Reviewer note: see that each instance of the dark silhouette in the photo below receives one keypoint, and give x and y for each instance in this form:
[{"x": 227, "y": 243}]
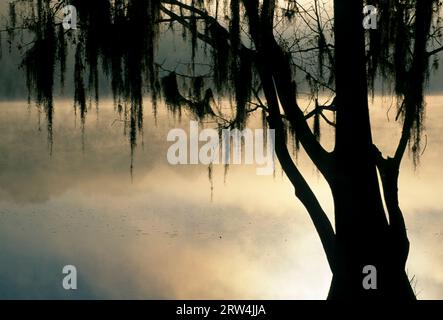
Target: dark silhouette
[{"x": 260, "y": 66}]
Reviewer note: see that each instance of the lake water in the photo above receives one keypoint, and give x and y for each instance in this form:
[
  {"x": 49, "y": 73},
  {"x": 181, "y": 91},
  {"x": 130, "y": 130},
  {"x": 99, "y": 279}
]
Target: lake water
[{"x": 159, "y": 234}]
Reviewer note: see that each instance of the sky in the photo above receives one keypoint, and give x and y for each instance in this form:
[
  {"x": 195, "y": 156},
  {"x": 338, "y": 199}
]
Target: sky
[{"x": 171, "y": 50}]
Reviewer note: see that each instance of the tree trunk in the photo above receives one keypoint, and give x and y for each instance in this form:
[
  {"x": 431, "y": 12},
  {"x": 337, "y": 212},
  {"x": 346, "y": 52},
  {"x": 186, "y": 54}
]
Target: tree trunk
[
  {"x": 378, "y": 248},
  {"x": 363, "y": 234}
]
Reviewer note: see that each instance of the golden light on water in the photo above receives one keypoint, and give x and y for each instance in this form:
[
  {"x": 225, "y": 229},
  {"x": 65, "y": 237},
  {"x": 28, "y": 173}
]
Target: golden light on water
[{"x": 161, "y": 236}]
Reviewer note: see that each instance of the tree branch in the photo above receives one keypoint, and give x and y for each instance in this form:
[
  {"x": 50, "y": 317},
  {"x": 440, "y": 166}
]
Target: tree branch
[
  {"x": 435, "y": 51},
  {"x": 280, "y": 70},
  {"x": 389, "y": 173},
  {"x": 302, "y": 190}
]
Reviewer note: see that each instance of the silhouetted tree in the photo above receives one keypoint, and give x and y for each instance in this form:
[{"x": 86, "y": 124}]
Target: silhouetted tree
[{"x": 260, "y": 53}]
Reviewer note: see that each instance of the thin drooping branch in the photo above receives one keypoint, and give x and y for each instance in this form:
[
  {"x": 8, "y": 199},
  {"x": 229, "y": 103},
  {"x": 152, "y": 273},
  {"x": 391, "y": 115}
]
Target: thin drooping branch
[
  {"x": 302, "y": 190},
  {"x": 269, "y": 86},
  {"x": 304, "y": 193},
  {"x": 287, "y": 95},
  {"x": 280, "y": 69}
]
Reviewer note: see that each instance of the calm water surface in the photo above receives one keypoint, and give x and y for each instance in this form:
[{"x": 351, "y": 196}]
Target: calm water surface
[{"x": 159, "y": 235}]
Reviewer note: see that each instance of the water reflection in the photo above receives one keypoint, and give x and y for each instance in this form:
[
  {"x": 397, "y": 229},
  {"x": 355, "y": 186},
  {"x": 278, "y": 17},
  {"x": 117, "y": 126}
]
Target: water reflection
[{"x": 161, "y": 236}]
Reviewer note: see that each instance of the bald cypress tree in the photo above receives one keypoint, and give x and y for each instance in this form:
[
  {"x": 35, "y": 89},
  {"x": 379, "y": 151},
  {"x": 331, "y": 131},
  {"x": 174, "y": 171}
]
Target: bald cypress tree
[{"x": 258, "y": 54}]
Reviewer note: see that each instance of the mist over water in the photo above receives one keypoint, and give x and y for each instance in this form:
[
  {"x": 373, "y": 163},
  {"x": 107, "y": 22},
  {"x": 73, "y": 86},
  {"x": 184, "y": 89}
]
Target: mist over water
[{"x": 159, "y": 234}]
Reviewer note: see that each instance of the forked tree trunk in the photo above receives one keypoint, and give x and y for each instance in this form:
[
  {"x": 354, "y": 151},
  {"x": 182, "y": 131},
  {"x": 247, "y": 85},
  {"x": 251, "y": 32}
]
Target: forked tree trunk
[
  {"x": 363, "y": 234},
  {"x": 378, "y": 248}
]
